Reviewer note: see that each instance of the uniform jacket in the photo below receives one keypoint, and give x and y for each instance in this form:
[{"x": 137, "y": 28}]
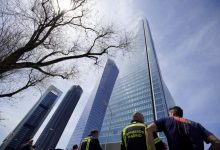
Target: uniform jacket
[
  {"x": 134, "y": 138},
  {"x": 90, "y": 143}
]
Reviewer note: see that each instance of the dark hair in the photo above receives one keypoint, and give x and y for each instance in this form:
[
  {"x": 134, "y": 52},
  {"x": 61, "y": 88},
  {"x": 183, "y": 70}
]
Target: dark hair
[
  {"x": 177, "y": 111},
  {"x": 94, "y": 131},
  {"x": 75, "y": 146}
]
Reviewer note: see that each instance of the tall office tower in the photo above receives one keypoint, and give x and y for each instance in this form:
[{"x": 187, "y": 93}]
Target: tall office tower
[
  {"x": 94, "y": 111},
  {"x": 32, "y": 121},
  {"x": 139, "y": 87},
  {"x": 55, "y": 127}
]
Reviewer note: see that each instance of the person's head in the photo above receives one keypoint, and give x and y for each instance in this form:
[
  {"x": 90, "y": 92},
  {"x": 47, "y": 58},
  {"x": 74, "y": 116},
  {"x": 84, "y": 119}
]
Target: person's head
[
  {"x": 136, "y": 116},
  {"x": 30, "y": 142},
  {"x": 176, "y": 111},
  {"x": 75, "y": 147},
  {"x": 94, "y": 133}
]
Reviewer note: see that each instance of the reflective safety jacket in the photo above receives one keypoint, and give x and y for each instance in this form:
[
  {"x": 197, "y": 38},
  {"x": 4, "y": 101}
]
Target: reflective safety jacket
[
  {"x": 90, "y": 143},
  {"x": 134, "y": 136}
]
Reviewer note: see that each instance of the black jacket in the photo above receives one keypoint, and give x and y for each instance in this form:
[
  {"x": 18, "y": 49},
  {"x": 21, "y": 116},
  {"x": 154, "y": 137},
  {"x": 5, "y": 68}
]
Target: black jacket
[{"x": 90, "y": 142}]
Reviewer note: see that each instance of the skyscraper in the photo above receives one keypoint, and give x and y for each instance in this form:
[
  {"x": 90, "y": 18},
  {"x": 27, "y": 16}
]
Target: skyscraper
[
  {"x": 139, "y": 87},
  {"x": 54, "y": 129},
  {"x": 94, "y": 111},
  {"x": 32, "y": 121}
]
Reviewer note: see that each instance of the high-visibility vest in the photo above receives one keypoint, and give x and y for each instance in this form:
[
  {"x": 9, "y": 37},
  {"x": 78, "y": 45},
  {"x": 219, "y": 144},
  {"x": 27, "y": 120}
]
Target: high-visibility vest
[
  {"x": 138, "y": 131},
  {"x": 85, "y": 142},
  {"x": 135, "y": 131}
]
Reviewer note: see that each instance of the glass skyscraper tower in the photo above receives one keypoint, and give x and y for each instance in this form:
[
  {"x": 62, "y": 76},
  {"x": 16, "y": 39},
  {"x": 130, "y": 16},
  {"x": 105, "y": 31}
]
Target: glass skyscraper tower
[
  {"x": 55, "y": 127},
  {"x": 94, "y": 111},
  {"x": 27, "y": 128},
  {"x": 139, "y": 87}
]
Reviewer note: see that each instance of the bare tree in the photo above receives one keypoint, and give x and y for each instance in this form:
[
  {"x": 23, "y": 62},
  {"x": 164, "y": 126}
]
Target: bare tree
[{"x": 36, "y": 37}]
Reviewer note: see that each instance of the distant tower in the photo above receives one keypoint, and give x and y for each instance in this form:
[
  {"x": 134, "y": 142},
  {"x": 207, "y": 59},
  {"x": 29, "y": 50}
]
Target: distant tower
[
  {"x": 94, "y": 111},
  {"x": 55, "y": 127},
  {"x": 139, "y": 87},
  {"x": 32, "y": 121}
]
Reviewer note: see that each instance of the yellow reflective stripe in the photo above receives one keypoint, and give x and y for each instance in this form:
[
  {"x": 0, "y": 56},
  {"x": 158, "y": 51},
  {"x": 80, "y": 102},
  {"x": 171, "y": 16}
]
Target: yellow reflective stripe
[
  {"x": 135, "y": 124},
  {"x": 87, "y": 144},
  {"x": 85, "y": 139},
  {"x": 147, "y": 139},
  {"x": 124, "y": 131},
  {"x": 132, "y": 125},
  {"x": 156, "y": 140}
]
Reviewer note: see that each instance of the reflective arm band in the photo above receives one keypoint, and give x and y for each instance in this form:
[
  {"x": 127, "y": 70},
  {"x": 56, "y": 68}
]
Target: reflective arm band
[
  {"x": 156, "y": 140},
  {"x": 87, "y": 145}
]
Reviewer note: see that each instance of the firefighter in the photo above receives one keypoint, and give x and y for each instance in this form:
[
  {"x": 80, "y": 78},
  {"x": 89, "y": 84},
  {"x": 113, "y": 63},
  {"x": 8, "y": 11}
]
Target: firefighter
[
  {"x": 91, "y": 142},
  {"x": 135, "y": 137},
  {"x": 183, "y": 134}
]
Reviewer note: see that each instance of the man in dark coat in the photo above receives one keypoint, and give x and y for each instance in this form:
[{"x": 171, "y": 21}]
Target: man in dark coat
[
  {"x": 91, "y": 142},
  {"x": 183, "y": 134}
]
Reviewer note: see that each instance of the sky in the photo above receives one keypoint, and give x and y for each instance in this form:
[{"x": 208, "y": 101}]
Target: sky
[{"x": 186, "y": 37}]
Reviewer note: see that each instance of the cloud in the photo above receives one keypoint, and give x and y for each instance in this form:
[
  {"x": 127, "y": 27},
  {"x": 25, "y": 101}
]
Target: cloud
[
  {"x": 188, "y": 54},
  {"x": 186, "y": 36}
]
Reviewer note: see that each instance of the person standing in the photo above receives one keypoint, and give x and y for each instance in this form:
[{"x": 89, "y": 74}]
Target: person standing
[
  {"x": 183, "y": 134},
  {"x": 135, "y": 137},
  {"x": 75, "y": 147},
  {"x": 27, "y": 145},
  {"x": 91, "y": 142}
]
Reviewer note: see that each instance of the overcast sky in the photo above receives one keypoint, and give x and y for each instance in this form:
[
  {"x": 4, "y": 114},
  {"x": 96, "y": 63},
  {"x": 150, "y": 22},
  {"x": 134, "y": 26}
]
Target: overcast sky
[{"x": 186, "y": 36}]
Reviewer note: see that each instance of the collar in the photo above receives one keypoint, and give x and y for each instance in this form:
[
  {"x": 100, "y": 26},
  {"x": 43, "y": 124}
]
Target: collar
[
  {"x": 180, "y": 119},
  {"x": 134, "y": 121}
]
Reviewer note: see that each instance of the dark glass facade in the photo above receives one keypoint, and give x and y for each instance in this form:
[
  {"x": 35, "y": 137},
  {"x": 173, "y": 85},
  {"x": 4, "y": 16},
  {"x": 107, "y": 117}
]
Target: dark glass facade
[
  {"x": 80, "y": 127},
  {"x": 55, "y": 127},
  {"x": 94, "y": 112},
  {"x": 139, "y": 87},
  {"x": 32, "y": 121}
]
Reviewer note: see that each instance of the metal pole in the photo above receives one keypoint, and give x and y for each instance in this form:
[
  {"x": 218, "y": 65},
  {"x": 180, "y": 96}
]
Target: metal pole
[
  {"x": 108, "y": 127},
  {"x": 149, "y": 75}
]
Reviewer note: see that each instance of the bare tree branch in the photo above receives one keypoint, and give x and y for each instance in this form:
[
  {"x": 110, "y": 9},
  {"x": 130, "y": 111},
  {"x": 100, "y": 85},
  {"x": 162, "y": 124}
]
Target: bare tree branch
[
  {"x": 31, "y": 82},
  {"x": 40, "y": 36}
]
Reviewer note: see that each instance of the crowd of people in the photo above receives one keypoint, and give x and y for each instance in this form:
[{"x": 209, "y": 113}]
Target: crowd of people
[{"x": 181, "y": 134}]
